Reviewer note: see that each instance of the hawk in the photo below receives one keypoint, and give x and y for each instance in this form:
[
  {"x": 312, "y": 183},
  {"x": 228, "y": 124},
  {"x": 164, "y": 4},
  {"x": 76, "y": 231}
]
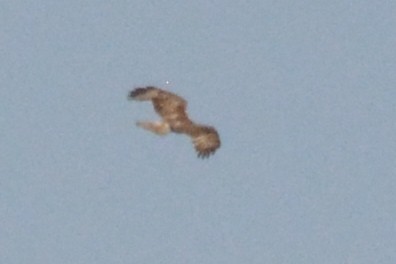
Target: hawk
[{"x": 172, "y": 109}]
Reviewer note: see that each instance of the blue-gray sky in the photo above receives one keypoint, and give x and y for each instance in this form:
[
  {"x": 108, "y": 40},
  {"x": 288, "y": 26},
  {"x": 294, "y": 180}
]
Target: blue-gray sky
[{"x": 302, "y": 93}]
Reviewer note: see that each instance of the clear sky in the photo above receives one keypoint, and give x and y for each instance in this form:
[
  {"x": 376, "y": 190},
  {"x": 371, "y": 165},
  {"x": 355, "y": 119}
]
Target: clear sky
[{"x": 303, "y": 94}]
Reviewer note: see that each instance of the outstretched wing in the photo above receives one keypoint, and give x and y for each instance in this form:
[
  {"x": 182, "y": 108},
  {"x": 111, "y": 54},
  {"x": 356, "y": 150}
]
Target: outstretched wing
[
  {"x": 206, "y": 140},
  {"x": 168, "y": 105}
]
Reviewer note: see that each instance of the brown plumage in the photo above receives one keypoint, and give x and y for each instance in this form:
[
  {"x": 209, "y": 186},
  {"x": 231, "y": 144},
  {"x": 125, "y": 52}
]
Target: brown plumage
[{"x": 172, "y": 109}]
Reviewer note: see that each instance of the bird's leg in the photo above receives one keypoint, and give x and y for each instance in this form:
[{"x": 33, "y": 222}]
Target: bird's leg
[{"x": 159, "y": 127}]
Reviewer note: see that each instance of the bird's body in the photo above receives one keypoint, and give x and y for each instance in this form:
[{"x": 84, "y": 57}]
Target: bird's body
[{"x": 172, "y": 109}]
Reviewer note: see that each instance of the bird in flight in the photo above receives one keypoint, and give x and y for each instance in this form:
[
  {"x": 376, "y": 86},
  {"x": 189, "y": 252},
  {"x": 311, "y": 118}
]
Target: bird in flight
[{"x": 174, "y": 118}]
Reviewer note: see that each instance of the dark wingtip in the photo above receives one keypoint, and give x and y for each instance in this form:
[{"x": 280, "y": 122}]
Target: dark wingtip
[
  {"x": 137, "y": 91},
  {"x": 205, "y": 154}
]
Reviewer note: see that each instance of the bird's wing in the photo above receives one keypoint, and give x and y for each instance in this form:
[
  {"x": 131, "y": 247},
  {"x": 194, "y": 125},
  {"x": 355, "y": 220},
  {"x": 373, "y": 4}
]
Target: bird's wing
[
  {"x": 206, "y": 140},
  {"x": 168, "y": 105}
]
